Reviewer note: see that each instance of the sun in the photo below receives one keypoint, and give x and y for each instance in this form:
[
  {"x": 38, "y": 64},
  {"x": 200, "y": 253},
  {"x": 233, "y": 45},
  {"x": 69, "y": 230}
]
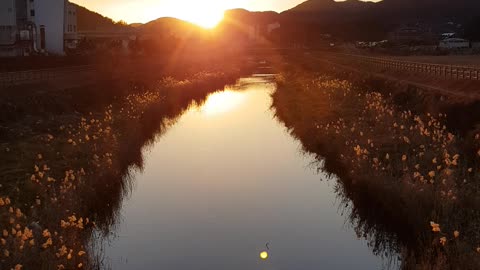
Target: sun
[
  {"x": 206, "y": 13},
  {"x": 208, "y": 19}
]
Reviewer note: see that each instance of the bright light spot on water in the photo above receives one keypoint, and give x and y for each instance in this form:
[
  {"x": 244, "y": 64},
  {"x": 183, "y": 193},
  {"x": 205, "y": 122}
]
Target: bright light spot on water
[
  {"x": 263, "y": 255},
  {"x": 222, "y": 102}
]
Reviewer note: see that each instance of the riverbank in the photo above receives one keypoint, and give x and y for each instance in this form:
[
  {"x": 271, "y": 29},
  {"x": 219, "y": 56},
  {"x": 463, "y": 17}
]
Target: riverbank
[
  {"x": 402, "y": 164},
  {"x": 66, "y": 156}
]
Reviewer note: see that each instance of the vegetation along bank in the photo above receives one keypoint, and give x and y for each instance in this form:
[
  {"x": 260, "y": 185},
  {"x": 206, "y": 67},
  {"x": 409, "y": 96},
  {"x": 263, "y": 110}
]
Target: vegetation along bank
[
  {"x": 66, "y": 157},
  {"x": 410, "y": 169}
]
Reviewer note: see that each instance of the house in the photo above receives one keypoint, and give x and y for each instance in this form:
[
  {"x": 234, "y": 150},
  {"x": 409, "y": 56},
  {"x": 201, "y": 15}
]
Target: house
[
  {"x": 447, "y": 35},
  {"x": 411, "y": 34},
  {"x": 454, "y": 43},
  {"x": 273, "y": 26},
  {"x": 36, "y": 26}
]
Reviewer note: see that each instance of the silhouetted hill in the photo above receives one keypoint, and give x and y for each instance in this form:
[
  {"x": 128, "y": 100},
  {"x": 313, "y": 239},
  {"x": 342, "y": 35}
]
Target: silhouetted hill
[
  {"x": 425, "y": 10},
  {"x": 88, "y": 20},
  {"x": 170, "y": 27},
  {"x": 250, "y": 17},
  {"x": 355, "y": 19},
  {"x": 167, "y": 24}
]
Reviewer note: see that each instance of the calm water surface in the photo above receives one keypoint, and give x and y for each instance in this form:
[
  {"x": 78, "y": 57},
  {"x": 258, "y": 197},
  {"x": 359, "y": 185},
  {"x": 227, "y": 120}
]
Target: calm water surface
[{"x": 222, "y": 182}]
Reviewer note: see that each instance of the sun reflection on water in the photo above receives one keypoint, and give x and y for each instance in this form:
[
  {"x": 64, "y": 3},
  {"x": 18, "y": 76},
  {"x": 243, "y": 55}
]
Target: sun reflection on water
[{"x": 221, "y": 102}]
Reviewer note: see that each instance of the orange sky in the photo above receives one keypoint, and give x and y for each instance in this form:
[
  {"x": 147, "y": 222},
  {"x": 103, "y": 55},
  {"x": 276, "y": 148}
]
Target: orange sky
[{"x": 204, "y": 12}]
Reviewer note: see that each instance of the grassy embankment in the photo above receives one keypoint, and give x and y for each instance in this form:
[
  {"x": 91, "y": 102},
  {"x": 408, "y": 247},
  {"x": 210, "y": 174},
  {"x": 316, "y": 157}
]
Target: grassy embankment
[
  {"x": 413, "y": 181},
  {"x": 66, "y": 156}
]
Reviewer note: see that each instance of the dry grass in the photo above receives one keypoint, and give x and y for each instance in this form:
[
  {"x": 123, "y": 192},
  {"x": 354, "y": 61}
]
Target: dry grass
[
  {"x": 64, "y": 175},
  {"x": 412, "y": 182}
]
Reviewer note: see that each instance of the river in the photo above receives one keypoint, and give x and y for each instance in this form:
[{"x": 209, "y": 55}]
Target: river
[{"x": 221, "y": 183}]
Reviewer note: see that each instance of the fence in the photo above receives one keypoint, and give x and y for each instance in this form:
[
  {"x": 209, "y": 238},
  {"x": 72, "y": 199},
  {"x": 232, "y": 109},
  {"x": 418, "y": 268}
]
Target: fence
[
  {"x": 40, "y": 75},
  {"x": 445, "y": 71}
]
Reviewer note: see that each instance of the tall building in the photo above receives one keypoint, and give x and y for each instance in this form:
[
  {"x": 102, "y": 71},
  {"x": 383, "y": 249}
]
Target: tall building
[
  {"x": 37, "y": 26},
  {"x": 7, "y": 27}
]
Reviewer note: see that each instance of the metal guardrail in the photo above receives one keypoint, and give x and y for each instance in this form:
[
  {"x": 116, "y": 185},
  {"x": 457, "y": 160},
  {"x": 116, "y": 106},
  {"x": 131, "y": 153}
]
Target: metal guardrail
[
  {"x": 39, "y": 75},
  {"x": 452, "y": 72}
]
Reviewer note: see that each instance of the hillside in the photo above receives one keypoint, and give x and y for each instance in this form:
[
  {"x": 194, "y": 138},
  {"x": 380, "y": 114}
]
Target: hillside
[
  {"x": 88, "y": 20},
  {"x": 170, "y": 26},
  {"x": 249, "y": 17},
  {"x": 355, "y": 19},
  {"x": 388, "y": 10}
]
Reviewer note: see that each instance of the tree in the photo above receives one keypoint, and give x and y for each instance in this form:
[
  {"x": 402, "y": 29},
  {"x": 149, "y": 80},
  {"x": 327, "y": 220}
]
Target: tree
[{"x": 472, "y": 29}]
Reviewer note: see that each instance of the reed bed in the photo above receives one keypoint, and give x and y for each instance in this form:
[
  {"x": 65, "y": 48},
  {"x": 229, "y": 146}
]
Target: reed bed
[
  {"x": 64, "y": 174},
  {"x": 414, "y": 183}
]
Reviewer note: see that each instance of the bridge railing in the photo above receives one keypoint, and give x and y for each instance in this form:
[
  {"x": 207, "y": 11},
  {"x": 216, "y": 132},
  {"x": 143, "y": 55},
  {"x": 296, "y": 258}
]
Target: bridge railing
[{"x": 452, "y": 72}]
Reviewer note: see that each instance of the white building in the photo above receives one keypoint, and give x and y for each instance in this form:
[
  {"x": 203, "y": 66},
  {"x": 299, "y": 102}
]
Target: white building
[
  {"x": 70, "y": 26},
  {"x": 454, "y": 43},
  {"x": 272, "y": 27},
  {"x": 7, "y": 27},
  {"x": 37, "y": 26}
]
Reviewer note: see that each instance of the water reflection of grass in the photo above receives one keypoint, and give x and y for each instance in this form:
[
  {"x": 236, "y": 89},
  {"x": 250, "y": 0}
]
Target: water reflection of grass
[
  {"x": 65, "y": 175},
  {"x": 402, "y": 170}
]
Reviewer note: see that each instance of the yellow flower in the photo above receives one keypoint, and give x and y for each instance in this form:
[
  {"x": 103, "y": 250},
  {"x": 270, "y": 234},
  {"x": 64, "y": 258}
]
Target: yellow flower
[
  {"x": 80, "y": 265},
  {"x": 443, "y": 240},
  {"x": 18, "y": 213},
  {"x": 18, "y": 267},
  {"x": 81, "y": 253},
  {"x": 48, "y": 243},
  {"x": 456, "y": 234},
  {"x": 46, "y": 233},
  {"x": 431, "y": 174},
  {"x": 404, "y": 158},
  {"x": 62, "y": 251},
  {"x": 435, "y": 226}
]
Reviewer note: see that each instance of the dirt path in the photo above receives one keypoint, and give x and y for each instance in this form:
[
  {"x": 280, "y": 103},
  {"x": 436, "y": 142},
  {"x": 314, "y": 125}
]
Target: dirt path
[{"x": 454, "y": 88}]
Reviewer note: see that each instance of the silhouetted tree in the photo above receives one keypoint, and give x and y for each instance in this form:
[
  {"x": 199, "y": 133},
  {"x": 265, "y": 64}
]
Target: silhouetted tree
[{"x": 472, "y": 29}]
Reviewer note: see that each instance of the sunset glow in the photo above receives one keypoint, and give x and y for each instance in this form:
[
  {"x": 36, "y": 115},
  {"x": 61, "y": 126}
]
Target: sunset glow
[{"x": 206, "y": 14}]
